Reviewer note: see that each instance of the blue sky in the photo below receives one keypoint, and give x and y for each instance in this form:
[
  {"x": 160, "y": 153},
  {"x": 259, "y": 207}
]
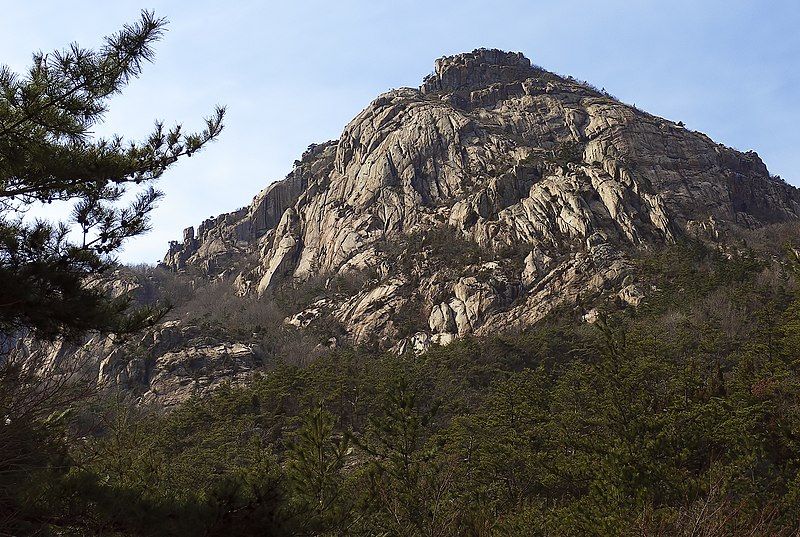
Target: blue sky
[{"x": 295, "y": 72}]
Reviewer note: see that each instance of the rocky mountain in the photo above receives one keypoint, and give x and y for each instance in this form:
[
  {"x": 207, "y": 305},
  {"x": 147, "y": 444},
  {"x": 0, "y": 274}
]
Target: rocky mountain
[
  {"x": 552, "y": 180},
  {"x": 478, "y": 202}
]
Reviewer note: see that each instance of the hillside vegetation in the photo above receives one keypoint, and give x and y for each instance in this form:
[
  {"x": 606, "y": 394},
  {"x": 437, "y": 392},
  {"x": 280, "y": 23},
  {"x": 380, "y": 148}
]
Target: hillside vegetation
[{"x": 675, "y": 418}]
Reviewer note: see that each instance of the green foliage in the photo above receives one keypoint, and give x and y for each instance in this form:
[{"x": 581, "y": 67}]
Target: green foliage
[
  {"x": 315, "y": 469},
  {"x": 681, "y": 416},
  {"x": 406, "y": 481},
  {"x": 48, "y": 153},
  {"x": 564, "y": 153},
  {"x": 52, "y": 283}
]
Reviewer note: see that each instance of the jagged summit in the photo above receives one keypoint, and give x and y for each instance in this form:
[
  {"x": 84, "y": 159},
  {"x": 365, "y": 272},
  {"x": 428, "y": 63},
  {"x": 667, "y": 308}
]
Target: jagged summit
[{"x": 479, "y": 68}]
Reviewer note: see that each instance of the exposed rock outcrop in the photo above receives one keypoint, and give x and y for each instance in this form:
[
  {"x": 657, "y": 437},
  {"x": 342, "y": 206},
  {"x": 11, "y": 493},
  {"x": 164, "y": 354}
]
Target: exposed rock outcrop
[
  {"x": 479, "y": 202},
  {"x": 165, "y": 365},
  {"x": 510, "y": 156}
]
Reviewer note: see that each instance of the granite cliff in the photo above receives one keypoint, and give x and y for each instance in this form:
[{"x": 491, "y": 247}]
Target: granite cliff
[
  {"x": 480, "y": 201},
  {"x": 554, "y": 181}
]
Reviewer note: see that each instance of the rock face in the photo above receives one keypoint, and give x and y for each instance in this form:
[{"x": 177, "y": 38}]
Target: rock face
[
  {"x": 479, "y": 202},
  {"x": 508, "y": 157},
  {"x": 163, "y": 366},
  {"x": 219, "y": 240}
]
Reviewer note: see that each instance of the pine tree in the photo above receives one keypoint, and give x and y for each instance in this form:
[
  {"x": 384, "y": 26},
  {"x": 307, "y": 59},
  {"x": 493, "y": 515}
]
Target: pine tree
[
  {"x": 49, "y": 280},
  {"x": 315, "y": 465},
  {"x": 48, "y": 154},
  {"x": 409, "y": 488}
]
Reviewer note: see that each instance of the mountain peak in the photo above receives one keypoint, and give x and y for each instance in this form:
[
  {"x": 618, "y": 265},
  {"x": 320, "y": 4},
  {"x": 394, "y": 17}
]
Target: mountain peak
[
  {"x": 479, "y": 68},
  {"x": 497, "y": 193}
]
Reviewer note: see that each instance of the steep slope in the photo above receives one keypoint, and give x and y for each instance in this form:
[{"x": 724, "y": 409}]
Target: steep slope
[
  {"x": 480, "y": 202},
  {"x": 552, "y": 180}
]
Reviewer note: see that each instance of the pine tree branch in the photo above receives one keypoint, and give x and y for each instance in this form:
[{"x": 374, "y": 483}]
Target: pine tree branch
[{"x": 151, "y": 30}]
